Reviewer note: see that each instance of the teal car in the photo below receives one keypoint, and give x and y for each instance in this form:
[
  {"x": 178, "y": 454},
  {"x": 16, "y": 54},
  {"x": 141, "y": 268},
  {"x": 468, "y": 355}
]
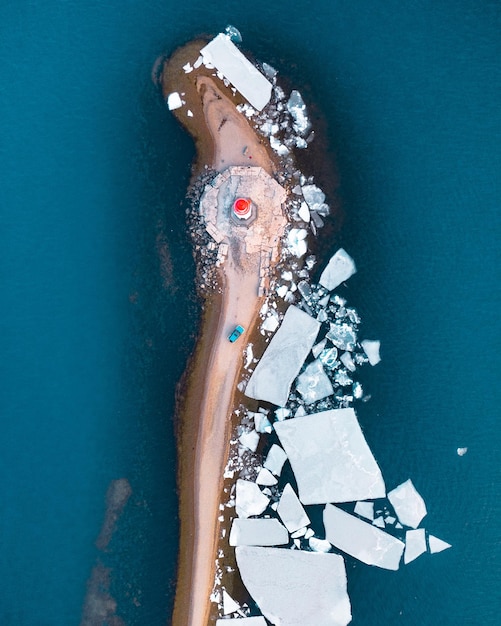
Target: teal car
[{"x": 236, "y": 333}]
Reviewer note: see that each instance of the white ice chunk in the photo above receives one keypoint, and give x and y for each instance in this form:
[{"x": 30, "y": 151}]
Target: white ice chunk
[
  {"x": 283, "y": 358},
  {"x": 340, "y": 268},
  {"x": 174, "y": 101},
  {"x": 314, "y": 384},
  {"x": 365, "y": 509},
  {"x": 437, "y": 545},
  {"x": 250, "y": 440},
  {"x": 291, "y": 511},
  {"x": 262, "y": 423},
  {"x": 271, "y": 322},
  {"x": 296, "y": 241},
  {"x": 379, "y": 522},
  {"x": 249, "y": 355},
  {"x": 408, "y": 504},
  {"x": 462, "y": 451},
  {"x": 229, "y": 605},
  {"x": 415, "y": 544},
  {"x": 187, "y": 68},
  {"x": 371, "y": 349},
  {"x": 266, "y": 478},
  {"x": 361, "y": 540},
  {"x": 319, "y": 545},
  {"x": 250, "y": 500},
  {"x": 227, "y": 58},
  {"x": 304, "y": 212},
  {"x": 282, "y": 414},
  {"x": 330, "y": 458},
  {"x": 347, "y": 360},
  {"x": 314, "y": 196},
  {"x": 242, "y": 621},
  {"x": 258, "y": 532},
  {"x": 296, "y": 587},
  {"x": 299, "y": 533},
  {"x": 297, "y": 109},
  {"x": 282, "y": 290},
  {"x": 317, "y": 349},
  {"x": 275, "y": 459}
]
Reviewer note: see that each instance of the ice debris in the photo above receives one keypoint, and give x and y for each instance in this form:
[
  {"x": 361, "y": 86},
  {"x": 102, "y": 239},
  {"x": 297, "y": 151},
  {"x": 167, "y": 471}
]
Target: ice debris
[
  {"x": 408, "y": 504},
  {"x": 265, "y": 478},
  {"x": 291, "y": 511},
  {"x": 314, "y": 384},
  {"x": 371, "y": 349},
  {"x": 275, "y": 459},
  {"x": 437, "y": 545},
  {"x": 258, "y": 532},
  {"x": 250, "y": 500},
  {"x": 283, "y": 358},
  {"x": 330, "y": 458},
  {"x": 174, "y": 101},
  {"x": 415, "y": 544},
  {"x": 222, "y": 53},
  {"x": 340, "y": 267},
  {"x": 229, "y": 605},
  {"x": 319, "y": 545},
  {"x": 365, "y": 509},
  {"x": 296, "y": 587},
  {"x": 462, "y": 451},
  {"x": 297, "y": 109},
  {"x": 250, "y": 440},
  {"x": 343, "y": 336},
  {"x": 296, "y": 241},
  {"x": 362, "y": 540}
]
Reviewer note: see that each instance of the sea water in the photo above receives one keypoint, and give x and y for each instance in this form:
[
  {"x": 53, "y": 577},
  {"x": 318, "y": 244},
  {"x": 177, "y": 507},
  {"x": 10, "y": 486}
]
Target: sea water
[{"x": 98, "y": 307}]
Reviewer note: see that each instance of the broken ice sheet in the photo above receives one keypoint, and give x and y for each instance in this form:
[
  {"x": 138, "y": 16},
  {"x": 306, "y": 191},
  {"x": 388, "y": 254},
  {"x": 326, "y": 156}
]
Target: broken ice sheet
[
  {"x": 437, "y": 545},
  {"x": 296, "y": 587},
  {"x": 313, "y": 384},
  {"x": 262, "y": 423},
  {"x": 283, "y": 358},
  {"x": 229, "y": 605},
  {"x": 408, "y": 504},
  {"x": 174, "y": 101},
  {"x": 371, "y": 349},
  {"x": 343, "y": 336},
  {"x": 275, "y": 459},
  {"x": 250, "y": 500},
  {"x": 365, "y": 509},
  {"x": 296, "y": 241},
  {"x": 297, "y": 109},
  {"x": 291, "y": 511},
  {"x": 319, "y": 545},
  {"x": 361, "y": 540},
  {"x": 340, "y": 267},
  {"x": 266, "y": 478},
  {"x": 415, "y": 544},
  {"x": 258, "y": 532},
  {"x": 330, "y": 458},
  {"x": 250, "y": 440}
]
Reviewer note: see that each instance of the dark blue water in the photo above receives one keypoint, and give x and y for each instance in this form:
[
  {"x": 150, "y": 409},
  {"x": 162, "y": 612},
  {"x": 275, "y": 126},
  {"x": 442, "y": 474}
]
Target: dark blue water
[{"x": 98, "y": 307}]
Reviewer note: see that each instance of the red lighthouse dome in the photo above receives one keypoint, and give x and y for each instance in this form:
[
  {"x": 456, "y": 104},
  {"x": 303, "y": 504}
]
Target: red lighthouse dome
[{"x": 242, "y": 207}]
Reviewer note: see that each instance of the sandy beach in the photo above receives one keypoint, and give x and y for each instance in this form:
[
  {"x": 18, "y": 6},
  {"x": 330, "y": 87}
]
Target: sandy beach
[{"x": 224, "y": 138}]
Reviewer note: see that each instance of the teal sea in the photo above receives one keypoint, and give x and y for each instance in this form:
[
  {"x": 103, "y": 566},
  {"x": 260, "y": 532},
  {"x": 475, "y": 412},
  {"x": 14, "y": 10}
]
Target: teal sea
[{"x": 99, "y": 314}]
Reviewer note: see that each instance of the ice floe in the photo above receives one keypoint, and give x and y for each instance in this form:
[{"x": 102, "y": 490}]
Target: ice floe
[
  {"x": 340, "y": 267},
  {"x": 229, "y": 605},
  {"x": 319, "y": 545},
  {"x": 296, "y": 241},
  {"x": 371, "y": 349},
  {"x": 297, "y": 109},
  {"x": 408, "y": 504},
  {"x": 291, "y": 510},
  {"x": 314, "y": 384},
  {"x": 330, "y": 457},
  {"x": 250, "y": 500},
  {"x": 265, "y": 478},
  {"x": 258, "y": 532},
  {"x": 295, "y": 587},
  {"x": 222, "y": 53},
  {"x": 275, "y": 459},
  {"x": 415, "y": 544},
  {"x": 437, "y": 545},
  {"x": 362, "y": 540},
  {"x": 174, "y": 101},
  {"x": 462, "y": 451},
  {"x": 365, "y": 509},
  {"x": 250, "y": 440},
  {"x": 283, "y": 358}
]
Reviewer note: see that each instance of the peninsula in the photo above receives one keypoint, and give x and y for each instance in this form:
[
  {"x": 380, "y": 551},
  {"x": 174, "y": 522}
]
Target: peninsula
[{"x": 267, "y": 426}]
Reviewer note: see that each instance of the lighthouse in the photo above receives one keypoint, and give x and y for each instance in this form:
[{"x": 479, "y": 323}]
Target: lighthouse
[{"x": 242, "y": 208}]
